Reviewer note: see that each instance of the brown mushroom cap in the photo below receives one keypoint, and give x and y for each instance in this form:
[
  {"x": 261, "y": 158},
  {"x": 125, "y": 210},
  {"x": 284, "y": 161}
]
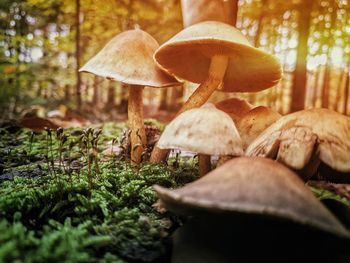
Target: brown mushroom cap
[
  {"x": 204, "y": 130},
  {"x": 128, "y": 58},
  {"x": 296, "y": 134},
  {"x": 252, "y": 185},
  {"x": 188, "y": 54},
  {"x": 254, "y": 122},
  {"x": 195, "y": 11},
  {"x": 234, "y": 107}
]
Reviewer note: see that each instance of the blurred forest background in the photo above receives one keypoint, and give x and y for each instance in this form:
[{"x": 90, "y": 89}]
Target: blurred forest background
[{"x": 43, "y": 42}]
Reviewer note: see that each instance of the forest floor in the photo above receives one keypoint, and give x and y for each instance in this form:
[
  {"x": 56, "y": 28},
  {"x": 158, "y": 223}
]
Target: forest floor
[
  {"x": 66, "y": 197},
  {"x": 70, "y": 195}
]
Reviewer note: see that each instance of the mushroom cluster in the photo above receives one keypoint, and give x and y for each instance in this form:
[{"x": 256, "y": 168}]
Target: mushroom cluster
[
  {"x": 218, "y": 56},
  {"x": 306, "y": 141}
]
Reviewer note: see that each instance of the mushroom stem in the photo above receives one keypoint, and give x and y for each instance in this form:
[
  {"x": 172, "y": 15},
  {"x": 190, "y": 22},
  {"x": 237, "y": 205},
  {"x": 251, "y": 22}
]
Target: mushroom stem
[
  {"x": 204, "y": 164},
  {"x": 216, "y": 74},
  {"x": 158, "y": 155},
  {"x": 136, "y": 124}
]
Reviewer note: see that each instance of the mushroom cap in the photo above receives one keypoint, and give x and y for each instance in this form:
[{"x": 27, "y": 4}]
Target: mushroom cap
[
  {"x": 254, "y": 122},
  {"x": 188, "y": 54},
  {"x": 234, "y": 107},
  {"x": 128, "y": 58},
  {"x": 294, "y": 137},
  {"x": 195, "y": 11},
  {"x": 252, "y": 185},
  {"x": 204, "y": 130}
]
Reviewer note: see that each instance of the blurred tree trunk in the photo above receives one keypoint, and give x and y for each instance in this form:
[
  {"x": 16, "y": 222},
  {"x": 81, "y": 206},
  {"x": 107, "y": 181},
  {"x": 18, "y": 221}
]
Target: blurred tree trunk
[
  {"x": 339, "y": 89},
  {"x": 39, "y": 92},
  {"x": 347, "y": 90},
  {"x": 176, "y": 98},
  {"x": 327, "y": 74},
  {"x": 300, "y": 73},
  {"x": 313, "y": 98},
  {"x": 110, "y": 95},
  {"x": 77, "y": 54},
  {"x": 66, "y": 92},
  {"x": 86, "y": 88},
  {"x": 259, "y": 23},
  {"x": 123, "y": 105},
  {"x": 163, "y": 99},
  {"x": 96, "y": 91}
]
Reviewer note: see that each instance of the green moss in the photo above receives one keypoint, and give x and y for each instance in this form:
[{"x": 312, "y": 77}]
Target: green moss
[
  {"x": 58, "y": 243},
  {"x": 100, "y": 213},
  {"x": 324, "y": 194}
]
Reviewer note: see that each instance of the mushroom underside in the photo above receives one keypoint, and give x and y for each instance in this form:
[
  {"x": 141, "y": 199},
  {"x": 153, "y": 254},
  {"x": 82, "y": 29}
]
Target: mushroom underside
[
  {"x": 302, "y": 150},
  {"x": 229, "y": 239}
]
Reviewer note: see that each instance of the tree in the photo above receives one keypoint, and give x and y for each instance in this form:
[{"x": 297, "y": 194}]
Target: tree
[
  {"x": 77, "y": 53},
  {"x": 300, "y": 73}
]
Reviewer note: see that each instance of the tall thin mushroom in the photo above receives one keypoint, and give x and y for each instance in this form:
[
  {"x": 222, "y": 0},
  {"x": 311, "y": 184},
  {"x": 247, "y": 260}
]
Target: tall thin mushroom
[
  {"x": 218, "y": 56},
  {"x": 128, "y": 58}
]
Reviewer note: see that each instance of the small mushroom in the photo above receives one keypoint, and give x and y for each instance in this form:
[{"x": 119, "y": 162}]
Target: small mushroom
[
  {"x": 207, "y": 131},
  {"x": 254, "y": 122},
  {"x": 255, "y": 186},
  {"x": 303, "y": 139},
  {"x": 217, "y": 55},
  {"x": 128, "y": 58},
  {"x": 234, "y": 107}
]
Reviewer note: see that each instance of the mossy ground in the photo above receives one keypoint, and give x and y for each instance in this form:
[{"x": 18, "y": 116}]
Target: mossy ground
[
  {"x": 62, "y": 200},
  {"x": 101, "y": 211}
]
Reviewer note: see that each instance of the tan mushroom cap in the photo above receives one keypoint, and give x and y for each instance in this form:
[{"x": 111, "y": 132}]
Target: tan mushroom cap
[
  {"x": 252, "y": 185},
  {"x": 195, "y": 11},
  {"x": 254, "y": 122},
  {"x": 294, "y": 137},
  {"x": 188, "y": 54},
  {"x": 234, "y": 107},
  {"x": 128, "y": 58},
  {"x": 204, "y": 130}
]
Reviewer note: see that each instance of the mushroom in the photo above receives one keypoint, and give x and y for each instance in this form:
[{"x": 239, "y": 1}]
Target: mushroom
[
  {"x": 128, "y": 58},
  {"x": 217, "y": 55},
  {"x": 303, "y": 139},
  {"x": 234, "y": 107},
  {"x": 195, "y": 11},
  {"x": 253, "y": 186},
  {"x": 253, "y": 123},
  {"x": 207, "y": 131}
]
